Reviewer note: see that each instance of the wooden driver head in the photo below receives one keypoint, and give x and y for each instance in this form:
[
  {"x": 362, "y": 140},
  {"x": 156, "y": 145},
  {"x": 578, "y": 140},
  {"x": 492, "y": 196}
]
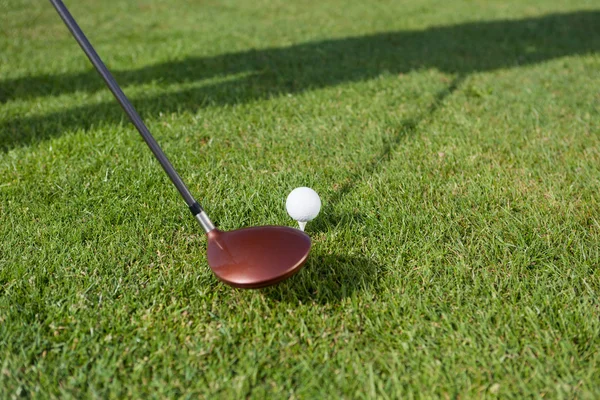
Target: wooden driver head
[{"x": 257, "y": 257}]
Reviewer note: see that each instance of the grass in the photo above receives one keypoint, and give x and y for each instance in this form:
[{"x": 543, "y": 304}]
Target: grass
[{"x": 456, "y": 149}]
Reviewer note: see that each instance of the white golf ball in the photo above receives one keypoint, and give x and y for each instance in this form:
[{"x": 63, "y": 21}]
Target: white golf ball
[{"x": 303, "y": 204}]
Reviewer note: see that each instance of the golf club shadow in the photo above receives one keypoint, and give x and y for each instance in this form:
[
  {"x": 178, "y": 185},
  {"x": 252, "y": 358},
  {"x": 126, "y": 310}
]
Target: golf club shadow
[
  {"x": 327, "y": 278},
  {"x": 259, "y": 74},
  {"x": 330, "y": 218}
]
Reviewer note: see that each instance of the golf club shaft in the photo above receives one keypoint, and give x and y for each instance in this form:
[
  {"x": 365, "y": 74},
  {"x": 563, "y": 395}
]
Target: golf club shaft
[{"x": 112, "y": 84}]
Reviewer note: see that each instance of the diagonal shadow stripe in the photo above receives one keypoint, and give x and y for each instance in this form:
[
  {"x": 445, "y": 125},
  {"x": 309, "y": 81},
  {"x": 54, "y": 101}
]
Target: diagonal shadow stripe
[
  {"x": 463, "y": 48},
  {"x": 406, "y": 128},
  {"x": 458, "y": 49}
]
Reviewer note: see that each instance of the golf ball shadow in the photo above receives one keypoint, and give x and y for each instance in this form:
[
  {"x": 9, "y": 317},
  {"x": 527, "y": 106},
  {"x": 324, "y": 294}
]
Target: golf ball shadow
[{"x": 329, "y": 220}]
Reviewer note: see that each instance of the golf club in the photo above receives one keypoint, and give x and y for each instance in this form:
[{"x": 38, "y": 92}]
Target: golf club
[{"x": 252, "y": 257}]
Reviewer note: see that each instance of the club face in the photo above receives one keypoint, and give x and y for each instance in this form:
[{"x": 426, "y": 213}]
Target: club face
[{"x": 257, "y": 257}]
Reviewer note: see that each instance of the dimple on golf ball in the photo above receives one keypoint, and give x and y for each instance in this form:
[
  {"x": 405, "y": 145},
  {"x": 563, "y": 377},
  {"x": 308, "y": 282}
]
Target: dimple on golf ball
[{"x": 303, "y": 204}]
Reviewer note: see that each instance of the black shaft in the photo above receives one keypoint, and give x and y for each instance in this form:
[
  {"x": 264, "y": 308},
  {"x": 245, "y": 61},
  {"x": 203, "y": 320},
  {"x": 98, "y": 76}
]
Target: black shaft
[{"x": 126, "y": 104}]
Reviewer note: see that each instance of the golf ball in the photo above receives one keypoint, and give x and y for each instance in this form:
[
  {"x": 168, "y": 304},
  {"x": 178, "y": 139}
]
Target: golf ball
[{"x": 303, "y": 204}]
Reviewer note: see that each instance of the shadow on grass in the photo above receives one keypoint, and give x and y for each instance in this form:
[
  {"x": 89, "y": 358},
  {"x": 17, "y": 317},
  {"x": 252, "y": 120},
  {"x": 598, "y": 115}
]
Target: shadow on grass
[
  {"x": 459, "y": 49},
  {"x": 327, "y": 278},
  {"x": 329, "y": 218}
]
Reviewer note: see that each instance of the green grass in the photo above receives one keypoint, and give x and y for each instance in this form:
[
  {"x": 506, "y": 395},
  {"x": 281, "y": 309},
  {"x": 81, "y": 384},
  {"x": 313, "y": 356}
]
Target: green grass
[{"x": 456, "y": 149}]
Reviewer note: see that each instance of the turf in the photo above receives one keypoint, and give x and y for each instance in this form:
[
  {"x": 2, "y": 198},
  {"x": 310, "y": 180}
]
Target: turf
[{"x": 456, "y": 149}]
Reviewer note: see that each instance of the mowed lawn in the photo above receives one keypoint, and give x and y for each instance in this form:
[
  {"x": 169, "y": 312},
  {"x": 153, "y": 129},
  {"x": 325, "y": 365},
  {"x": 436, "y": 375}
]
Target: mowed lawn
[{"x": 456, "y": 149}]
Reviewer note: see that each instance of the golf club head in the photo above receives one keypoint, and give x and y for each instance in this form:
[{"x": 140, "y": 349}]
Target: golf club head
[{"x": 257, "y": 257}]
